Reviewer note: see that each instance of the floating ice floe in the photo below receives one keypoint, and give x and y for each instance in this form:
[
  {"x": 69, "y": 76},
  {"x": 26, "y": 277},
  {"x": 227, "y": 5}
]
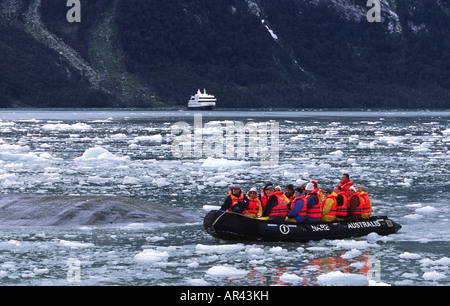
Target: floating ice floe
[
  {"x": 290, "y": 278},
  {"x": 151, "y": 256},
  {"x": 29, "y": 157},
  {"x": 226, "y": 271},
  {"x": 61, "y": 127},
  {"x": 433, "y": 276},
  {"x": 427, "y": 210},
  {"x": 100, "y": 154},
  {"x": 221, "y": 162},
  {"x": 151, "y": 138},
  {"x": 407, "y": 255},
  {"x": 337, "y": 278},
  {"x": 226, "y": 248},
  {"x": 76, "y": 244}
]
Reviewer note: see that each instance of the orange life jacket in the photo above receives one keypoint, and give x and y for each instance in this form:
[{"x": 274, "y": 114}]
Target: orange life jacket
[
  {"x": 263, "y": 198},
  {"x": 316, "y": 210},
  {"x": 342, "y": 210},
  {"x": 253, "y": 206},
  {"x": 346, "y": 186},
  {"x": 333, "y": 209},
  {"x": 367, "y": 206},
  {"x": 280, "y": 209},
  {"x": 304, "y": 208},
  {"x": 235, "y": 199},
  {"x": 359, "y": 208}
]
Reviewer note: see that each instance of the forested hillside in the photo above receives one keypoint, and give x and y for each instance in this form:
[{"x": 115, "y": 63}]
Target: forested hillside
[{"x": 249, "y": 53}]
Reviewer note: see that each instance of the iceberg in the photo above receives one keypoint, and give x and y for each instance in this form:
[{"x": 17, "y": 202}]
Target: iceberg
[{"x": 100, "y": 154}]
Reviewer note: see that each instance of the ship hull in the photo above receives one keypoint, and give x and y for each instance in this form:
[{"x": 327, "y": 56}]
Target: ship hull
[{"x": 201, "y": 108}]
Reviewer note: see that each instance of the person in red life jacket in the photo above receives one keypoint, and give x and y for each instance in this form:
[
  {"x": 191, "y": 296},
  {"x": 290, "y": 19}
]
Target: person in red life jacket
[
  {"x": 342, "y": 204},
  {"x": 298, "y": 207},
  {"x": 367, "y": 206},
  {"x": 322, "y": 198},
  {"x": 329, "y": 206},
  {"x": 355, "y": 205},
  {"x": 276, "y": 206},
  {"x": 345, "y": 184},
  {"x": 314, "y": 205},
  {"x": 263, "y": 197},
  {"x": 307, "y": 206},
  {"x": 236, "y": 201},
  {"x": 254, "y": 207}
]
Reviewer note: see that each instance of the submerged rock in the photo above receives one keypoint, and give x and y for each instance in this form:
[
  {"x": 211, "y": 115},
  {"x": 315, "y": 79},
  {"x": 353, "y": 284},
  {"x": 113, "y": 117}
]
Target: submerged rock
[{"x": 33, "y": 210}]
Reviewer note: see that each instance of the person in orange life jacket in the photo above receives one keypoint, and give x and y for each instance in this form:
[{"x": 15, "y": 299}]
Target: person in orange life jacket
[
  {"x": 254, "y": 207},
  {"x": 329, "y": 206},
  {"x": 286, "y": 199},
  {"x": 322, "y": 198},
  {"x": 313, "y": 203},
  {"x": 236, "y": 201},
  {"x": 276, "y": 207},
  {"x": 367, "y": 206},
  {"x": 342, "y": 203},
  {"x": 345, "y": 184},
  {"x": 298, "y": 212},
  {"x": 355, "y": 205}
]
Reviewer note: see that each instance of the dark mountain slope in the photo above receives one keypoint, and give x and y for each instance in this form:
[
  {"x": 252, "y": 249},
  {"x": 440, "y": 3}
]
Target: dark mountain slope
[{"x": 249, "y": 53}]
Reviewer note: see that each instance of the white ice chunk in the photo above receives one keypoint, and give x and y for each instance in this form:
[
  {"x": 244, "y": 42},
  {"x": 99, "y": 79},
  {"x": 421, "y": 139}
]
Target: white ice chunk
[
  {"x": 76, "y": 244},
  {"x": 226, "y": 271},
  {"x": 337, "y": 278},
  {"x": 151, "y": 256},
  {"x": 433, "y": 276},
  {"x": 100, "y": 154}
]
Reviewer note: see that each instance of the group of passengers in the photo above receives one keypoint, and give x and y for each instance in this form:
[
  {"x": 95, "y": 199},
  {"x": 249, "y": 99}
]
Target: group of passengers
[{"x": 304, "y": 204}]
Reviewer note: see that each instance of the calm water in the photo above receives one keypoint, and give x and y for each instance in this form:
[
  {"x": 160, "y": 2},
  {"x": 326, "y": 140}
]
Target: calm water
[{"x": 401, "y": 157}]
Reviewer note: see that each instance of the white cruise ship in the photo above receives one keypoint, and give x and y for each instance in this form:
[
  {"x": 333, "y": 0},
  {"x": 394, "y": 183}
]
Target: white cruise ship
[{"x": 202, "y": 101}]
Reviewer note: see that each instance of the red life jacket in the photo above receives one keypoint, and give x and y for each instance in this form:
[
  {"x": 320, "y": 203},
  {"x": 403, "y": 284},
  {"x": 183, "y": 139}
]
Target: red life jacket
[
  {"x": 342, "y": 210},
  {"x": 235, "y": 199},
  {"x": 333, "y": 209},
  {"x": 253, "y": 206},
  {"x": 358, "y": 210},
  {"x": 316, "y": 210},
  {"x": 367, "y": 206},
  {"x": 280, "y": 209},
  {"x": 263, "y": 197}
]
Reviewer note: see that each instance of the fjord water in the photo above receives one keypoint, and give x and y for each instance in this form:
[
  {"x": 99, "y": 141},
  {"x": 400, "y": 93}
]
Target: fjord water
[{"x": 401, "y": 157}]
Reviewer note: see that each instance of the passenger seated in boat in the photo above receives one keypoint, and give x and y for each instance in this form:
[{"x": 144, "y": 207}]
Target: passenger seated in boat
[
  {"x": 342, "y": 203},
  {"x": 276, "y": 206},
  {"x": 321, "y": 196},
  {"x": 254, "y": 207},
  {"x": 236, "y": 201},
  {"x": 298, "y": 213},
  {"x": 289, "y": 192},
  {"x": 345, "y": 184},
  {"x": 286, "y": 199},
  {"x": 355, "y": 205},
  {"x": 307, "y": 207},
  {"x": 263, "y": 196},
  {"x": 367, "y": 206},
  {"x": 329, "y": 206},
  {"x": 313, "y": 213}
]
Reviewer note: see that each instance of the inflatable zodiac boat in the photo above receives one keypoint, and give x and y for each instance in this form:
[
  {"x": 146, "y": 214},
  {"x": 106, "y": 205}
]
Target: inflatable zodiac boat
[{"x": 233, "y": 226}]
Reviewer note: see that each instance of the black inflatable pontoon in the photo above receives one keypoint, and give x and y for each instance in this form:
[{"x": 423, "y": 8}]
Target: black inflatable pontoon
[{"x": 233, "y": 226}]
